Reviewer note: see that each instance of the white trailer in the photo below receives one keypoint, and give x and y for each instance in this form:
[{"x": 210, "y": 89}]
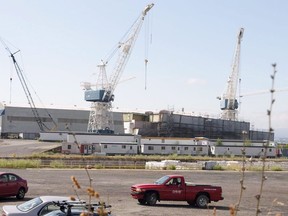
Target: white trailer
[
  {"x": 179, "y": 146},
  {"x": 250, "y": 151}
]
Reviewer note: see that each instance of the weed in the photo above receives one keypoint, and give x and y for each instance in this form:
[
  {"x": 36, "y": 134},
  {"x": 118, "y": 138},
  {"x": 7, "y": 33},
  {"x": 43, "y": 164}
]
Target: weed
[
  {"x": 57, "y": 164},
  {"x": 269, "y": 114},
  {"x": 171, "y": 167},
  {"x": 20, "y": 163},
  {"x": 218, "y": 167},
  {"x": 276, "y": 168}
]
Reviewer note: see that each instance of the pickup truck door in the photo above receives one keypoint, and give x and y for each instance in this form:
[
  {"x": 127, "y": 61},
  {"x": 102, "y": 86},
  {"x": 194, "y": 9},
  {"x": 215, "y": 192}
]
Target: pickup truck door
[{"x": 173, "y": 192}]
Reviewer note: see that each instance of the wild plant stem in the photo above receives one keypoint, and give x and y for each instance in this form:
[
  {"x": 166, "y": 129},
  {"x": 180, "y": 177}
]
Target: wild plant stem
[
  {"x": 243, "y": 169},
  {"x": 269, "y": 113}
]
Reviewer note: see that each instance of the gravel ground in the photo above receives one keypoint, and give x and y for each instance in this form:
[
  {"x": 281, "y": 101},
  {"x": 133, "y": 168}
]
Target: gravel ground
[{"x": 114, "y": 188}]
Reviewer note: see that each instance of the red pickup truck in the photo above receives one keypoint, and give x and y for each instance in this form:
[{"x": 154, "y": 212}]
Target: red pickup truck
[{"x": 174, "y": 188}]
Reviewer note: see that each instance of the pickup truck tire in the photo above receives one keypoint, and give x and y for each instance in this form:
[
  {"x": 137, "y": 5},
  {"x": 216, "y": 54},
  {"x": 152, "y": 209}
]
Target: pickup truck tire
[
  {"x": 151, "y": 198},
  {"x": 202, "y": 201},
  {"x": 142, "y": 201}
]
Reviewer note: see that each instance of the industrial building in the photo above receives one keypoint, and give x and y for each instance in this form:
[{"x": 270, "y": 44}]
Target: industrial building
[{"x": 20, "y": 122}]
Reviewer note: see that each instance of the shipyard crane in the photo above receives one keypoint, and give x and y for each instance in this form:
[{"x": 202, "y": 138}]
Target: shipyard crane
[
  {"x": 29, "y": 97},
  {"x": 229, "y": 103},
  {"x": 101, "y": 97}
]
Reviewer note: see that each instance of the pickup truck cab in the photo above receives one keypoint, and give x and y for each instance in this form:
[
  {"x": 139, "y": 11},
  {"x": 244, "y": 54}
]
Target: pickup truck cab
[{"x": 174, "y": 188}]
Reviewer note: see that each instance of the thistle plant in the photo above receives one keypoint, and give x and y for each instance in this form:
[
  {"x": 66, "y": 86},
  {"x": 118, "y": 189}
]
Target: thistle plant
[
  {"x": 101, "y": 210},
  {"x": 90, "y": 191},
  {"x": 264, "y": 157},
  {"x": 243, "y": 169}
]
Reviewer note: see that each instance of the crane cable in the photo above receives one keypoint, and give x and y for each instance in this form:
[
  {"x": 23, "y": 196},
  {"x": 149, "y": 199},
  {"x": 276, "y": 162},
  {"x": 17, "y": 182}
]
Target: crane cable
[
  {"x": 148, "y": 40},
  {"x": 117, "y": 46}
]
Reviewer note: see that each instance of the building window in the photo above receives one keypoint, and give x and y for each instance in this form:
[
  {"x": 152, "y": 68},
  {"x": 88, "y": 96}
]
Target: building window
[
  {"x": 163, "y": 148},
  {"x": 105, "y": 146},
  {"x": 123, "y": 146},
  {"x": 186, "y": 148},
  {"x": 69, "y": 147},
  {"x": 173, "y": 148},
  {"x": 130, "y": 147},
  {"x": 151, "y": 148},
  {"x": 200, "y": 149}
]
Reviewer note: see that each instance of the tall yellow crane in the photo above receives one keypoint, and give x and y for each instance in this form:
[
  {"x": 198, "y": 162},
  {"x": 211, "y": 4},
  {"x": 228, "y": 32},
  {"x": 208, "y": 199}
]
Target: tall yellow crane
[{"x": 101, "y": 97}]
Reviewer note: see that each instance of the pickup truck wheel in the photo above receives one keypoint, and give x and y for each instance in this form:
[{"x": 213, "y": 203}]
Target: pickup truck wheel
[
  {"x": 151, "y": 198},
  {"x": 142, "y": 201},
  {"x": 202, "y": 201}
]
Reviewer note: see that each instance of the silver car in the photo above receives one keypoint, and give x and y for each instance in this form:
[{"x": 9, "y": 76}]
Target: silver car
[
  {"x": 38, "y": 206},
  {"x": 77, "y": 208}
]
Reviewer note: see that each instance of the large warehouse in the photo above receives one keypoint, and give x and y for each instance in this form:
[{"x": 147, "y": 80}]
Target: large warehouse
[{"x": 16, "y": 121}]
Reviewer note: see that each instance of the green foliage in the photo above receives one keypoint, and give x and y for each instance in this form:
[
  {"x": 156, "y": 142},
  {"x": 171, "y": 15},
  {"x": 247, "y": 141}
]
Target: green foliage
[
  {"x": 276, "y": 168},
  {"x": 247, "y": 142},
  {"x": 57, "y": 164},
  {"x": 99, "y": 166},
  {"x": 219, "y": 142},
  {"x": 171, "y": 167},
  {"x": 19, "y": 164},
  {"x": 218, "y": 167}
]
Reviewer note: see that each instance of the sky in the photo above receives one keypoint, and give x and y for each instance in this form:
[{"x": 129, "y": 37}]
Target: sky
[{"x": 189, "y": 45}]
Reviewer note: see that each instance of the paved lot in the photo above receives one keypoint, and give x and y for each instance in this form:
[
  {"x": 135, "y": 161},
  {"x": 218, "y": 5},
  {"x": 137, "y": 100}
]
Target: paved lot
[
  {"x": 114, "y": 188},
  {"x": 19, "y": 148}
]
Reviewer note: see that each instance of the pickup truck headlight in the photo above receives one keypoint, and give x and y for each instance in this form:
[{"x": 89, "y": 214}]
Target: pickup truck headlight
[{"x": 138, "y": 190}]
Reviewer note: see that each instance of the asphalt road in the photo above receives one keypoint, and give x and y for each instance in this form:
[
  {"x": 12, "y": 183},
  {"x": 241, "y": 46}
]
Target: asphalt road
[{"x": 114, "y": 188}]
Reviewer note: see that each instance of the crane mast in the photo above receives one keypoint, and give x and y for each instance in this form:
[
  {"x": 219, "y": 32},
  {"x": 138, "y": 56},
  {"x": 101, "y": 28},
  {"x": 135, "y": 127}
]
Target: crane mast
[
  {"x": 24, "y": 85},
  {"x": 100, "y": 118},
  {"x": 229, "y": 103}
]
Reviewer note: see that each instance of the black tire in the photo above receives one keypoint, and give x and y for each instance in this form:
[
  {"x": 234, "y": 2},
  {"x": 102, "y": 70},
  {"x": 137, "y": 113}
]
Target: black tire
[
  {"x": 142, "y": 201},
  {"x": 21, "y": 194},
  {"x": 151, "y": 198},
  {"x": 191, "y": 203},
  {"x": 202, "y": 201}
]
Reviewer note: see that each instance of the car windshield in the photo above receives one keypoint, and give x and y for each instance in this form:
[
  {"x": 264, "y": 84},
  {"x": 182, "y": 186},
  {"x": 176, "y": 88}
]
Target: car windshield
[
  {"x": 162, "y": 180},
  {"x": 26, "y": 206}
]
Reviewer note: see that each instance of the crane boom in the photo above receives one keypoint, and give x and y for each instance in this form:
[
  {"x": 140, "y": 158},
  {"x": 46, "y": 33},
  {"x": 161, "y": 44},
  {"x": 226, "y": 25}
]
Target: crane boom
[
  {"x": 126, "y": 49},
  {"x": 100, "y": 119},
  {"x": 38, "y": 119},
  {"x": 28, "y": 94},
  {"x": 229, "y": 103}
]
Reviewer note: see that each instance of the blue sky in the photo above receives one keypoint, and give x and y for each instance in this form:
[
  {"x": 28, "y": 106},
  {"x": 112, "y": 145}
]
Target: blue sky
[{"x": 191, "y": 47}]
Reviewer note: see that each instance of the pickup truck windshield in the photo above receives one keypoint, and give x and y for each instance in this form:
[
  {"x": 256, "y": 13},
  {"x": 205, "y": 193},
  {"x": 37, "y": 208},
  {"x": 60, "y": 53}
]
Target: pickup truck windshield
[{"x": 162, "y": 180}]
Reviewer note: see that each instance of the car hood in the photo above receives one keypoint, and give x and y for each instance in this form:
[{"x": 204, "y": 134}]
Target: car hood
[
  {"x": 11, "y": 209},
  {"x": 144, "y": 185}
]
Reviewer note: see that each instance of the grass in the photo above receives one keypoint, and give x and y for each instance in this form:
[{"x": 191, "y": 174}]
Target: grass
[
  {"x": 19, "y": 164},
  {"x": 116, "y": 162}
]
